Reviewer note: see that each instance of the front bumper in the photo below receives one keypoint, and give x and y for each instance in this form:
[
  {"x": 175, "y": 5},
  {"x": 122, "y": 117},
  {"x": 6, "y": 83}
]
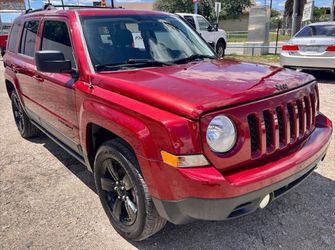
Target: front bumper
[
  {"x": 307, "y": 61},
  {"x": 182, "y": 195},
  {"x": 187, "y": 210}
]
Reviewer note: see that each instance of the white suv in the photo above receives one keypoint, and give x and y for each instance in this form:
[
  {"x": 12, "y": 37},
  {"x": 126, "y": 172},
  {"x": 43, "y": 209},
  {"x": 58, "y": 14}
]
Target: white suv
[{"x": 215, "y": 37}]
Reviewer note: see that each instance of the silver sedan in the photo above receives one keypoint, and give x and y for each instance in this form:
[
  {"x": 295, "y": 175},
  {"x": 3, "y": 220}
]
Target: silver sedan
[{"x": 312, "y": 47}]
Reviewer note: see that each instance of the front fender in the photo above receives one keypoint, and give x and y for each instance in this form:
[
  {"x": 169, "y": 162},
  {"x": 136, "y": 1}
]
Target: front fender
[
  {"x": 147, "y": 129},
  {"x": 130, "y": 129}
]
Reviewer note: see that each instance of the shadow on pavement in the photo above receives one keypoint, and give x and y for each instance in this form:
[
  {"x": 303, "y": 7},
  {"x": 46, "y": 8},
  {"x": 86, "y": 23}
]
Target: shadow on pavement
[{"x": 76, "y": 167}]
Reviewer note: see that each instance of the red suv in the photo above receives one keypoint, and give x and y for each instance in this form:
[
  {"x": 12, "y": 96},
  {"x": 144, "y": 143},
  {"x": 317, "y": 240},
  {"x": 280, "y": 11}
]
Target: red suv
[{"x": 171, "y": 132}]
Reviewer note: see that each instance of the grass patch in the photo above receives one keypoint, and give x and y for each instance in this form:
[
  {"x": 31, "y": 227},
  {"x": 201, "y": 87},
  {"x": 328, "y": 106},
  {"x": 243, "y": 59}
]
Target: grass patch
[
  {"x": 242, "y": 38},
  {"x": 268, "y": 59}
]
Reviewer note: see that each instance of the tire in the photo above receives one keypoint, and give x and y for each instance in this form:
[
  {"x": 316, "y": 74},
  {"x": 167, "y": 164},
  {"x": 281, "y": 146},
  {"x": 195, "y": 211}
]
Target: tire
[
  {"x": 130, "y": 210},
  {"x": 22, "y": 121},
  {"x": 220, "y": 48}
]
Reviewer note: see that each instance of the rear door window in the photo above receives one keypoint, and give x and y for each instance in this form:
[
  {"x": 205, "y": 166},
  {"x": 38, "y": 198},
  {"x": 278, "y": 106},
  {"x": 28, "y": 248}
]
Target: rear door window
[
  {"x": 56, "y": 36},
  {"x": 14, "y": 34},
  {"x": 28, "y": 40}
]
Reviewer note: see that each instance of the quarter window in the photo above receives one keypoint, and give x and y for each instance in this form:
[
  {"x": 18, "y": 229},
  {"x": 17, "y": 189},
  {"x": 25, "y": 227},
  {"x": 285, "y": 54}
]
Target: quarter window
[
  {"x": 29, "y": 38},
  {"x": 56, "y": 36},
  {"x": 190, "y": 20},
  {"x": 13, "y": 37}
]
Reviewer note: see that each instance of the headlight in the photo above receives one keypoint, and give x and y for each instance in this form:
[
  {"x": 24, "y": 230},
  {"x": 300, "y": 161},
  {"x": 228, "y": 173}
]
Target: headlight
[{"x": 221, "y": 134}]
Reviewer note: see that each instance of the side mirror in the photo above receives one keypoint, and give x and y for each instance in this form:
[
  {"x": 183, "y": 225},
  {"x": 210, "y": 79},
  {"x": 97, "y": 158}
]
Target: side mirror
[
  {"x": 210, "y": 28},
  {"x": 52, "y": 61}
]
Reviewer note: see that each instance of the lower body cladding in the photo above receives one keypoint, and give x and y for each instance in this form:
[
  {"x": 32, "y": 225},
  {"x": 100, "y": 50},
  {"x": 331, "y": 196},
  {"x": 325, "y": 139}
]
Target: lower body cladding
[
  {"x": 307, "y": 62},
  {"x": 226, "y": 199}
]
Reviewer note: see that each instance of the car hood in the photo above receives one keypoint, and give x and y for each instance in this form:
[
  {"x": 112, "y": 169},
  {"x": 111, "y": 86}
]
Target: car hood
[{"x": 192, "y": 89}]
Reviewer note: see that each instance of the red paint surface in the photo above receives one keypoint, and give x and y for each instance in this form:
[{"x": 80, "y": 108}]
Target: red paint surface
[{"x": 3, "y": 41}]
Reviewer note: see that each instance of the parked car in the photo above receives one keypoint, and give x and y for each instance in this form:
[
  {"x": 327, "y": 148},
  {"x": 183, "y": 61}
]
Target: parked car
[
  {"x": 171, "y": 132},
  {"x": 312, "y": 47},
  {"x": 3, "y": 43},
  {"x": 217, "y": 38}
]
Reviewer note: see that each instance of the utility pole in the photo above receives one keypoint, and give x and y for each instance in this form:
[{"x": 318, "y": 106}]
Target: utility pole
[
  {"x": 294, "y": 17},
  {"x": 29, "y": 6},
  {"x": 195, "y": 6},
  {"x": 1, "y": 25},
  {"x": 332, "y": 10}
]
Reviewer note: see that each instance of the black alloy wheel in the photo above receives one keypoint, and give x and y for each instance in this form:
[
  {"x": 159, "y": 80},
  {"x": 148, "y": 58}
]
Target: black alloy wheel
[
  {"x": 123, "y": 192},
  {"x": 119, "y": 193}
]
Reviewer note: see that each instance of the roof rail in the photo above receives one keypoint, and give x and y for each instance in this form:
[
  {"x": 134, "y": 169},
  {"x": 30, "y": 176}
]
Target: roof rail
[
  {"x": 50, "y": 6},
  {"x": 83, "y": 6},
  {"x": 31, "y": 10}
]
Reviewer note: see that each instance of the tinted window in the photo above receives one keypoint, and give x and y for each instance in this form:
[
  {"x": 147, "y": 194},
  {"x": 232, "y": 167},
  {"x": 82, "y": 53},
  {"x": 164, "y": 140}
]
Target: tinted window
[
  {"x": 56, "y": 36},
  {"x": 190, "y": 20},
  {"x": 13, "y": 37},
  {"x": 29, "y": 38},
  {"x": 140, "y": 38},
  {"x": 317, "y": 30},
  {"x": 203, "y": 23}
]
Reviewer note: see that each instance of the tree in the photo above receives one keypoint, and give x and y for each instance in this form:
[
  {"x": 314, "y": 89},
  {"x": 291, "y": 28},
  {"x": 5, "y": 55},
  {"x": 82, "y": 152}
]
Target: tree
[
  {"x": 235, "y": 8},
  {"x": 185, "y": 6},
  {"x": 206, "y": 8},
  {"x": 275, "y": 19},
  {"x": 174, "y": 6},
  {"x": 230, "y": 9},
  {"x": 275, "y": 13},
  {"x": 321, "y": 14},
  {"x": 289, "y": 10},
  {"x": 289, "y": 7}
]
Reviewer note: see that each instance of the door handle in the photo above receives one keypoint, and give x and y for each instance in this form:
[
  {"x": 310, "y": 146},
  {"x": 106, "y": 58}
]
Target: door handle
[
  {"x": 15, "y": 68},
  {"x": 38, "y": 78}
]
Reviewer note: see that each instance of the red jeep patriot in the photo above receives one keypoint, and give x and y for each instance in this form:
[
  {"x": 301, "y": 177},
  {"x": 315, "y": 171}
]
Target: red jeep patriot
[{"x": 171, "y": 132}]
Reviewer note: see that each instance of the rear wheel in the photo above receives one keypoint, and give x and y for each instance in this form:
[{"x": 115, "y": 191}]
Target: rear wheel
[
  {"x": 123, "y": 192},
  {"x": 22, "y": 121}
]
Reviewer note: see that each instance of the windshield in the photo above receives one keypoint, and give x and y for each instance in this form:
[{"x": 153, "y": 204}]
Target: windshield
[
  {"x": 317, "y": 30},
  {"x": 118, "y": 42}
]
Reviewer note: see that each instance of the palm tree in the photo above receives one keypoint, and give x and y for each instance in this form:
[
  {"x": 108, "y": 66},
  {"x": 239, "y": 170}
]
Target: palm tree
[{"x": 289, "y": 12}]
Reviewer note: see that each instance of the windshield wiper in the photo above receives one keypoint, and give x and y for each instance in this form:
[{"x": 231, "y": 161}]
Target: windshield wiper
[
  {"x": 193, "y": 58},
  {"x": 132, "y": 63}
]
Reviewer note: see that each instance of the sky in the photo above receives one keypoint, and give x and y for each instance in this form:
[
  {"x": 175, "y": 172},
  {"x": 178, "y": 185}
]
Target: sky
[
  {"x": 35, "y": 4},
  {"x": 279, "y": 4}
]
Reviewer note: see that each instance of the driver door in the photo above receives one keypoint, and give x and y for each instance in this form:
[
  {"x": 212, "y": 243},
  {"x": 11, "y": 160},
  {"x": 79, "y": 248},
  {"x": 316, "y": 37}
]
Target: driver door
[
  {"x": 59, "y": 116},
  {"x": 203, "y": 28}
]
